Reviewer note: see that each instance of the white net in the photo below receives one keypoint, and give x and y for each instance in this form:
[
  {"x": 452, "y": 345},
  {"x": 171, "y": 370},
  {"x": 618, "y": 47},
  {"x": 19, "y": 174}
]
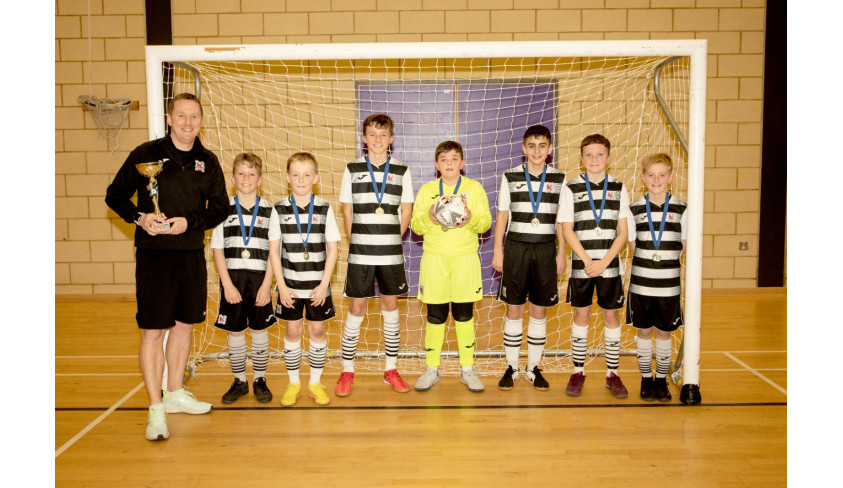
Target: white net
[
  {"x": 110, "y": 115},
  {"x": 275, "y": 108}
]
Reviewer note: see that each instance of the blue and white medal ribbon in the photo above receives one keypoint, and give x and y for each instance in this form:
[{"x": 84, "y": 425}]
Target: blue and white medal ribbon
[
  {"x": 304, "y": 239},
  {"x": 246, "y": 238},
  {"x": 536, "y": 200},
  {"x": 378, "y": 191},
  {"x": 456, "y": 188},
  {"x": 597, "y": 217},
  {"x": 657, "y": 241}
]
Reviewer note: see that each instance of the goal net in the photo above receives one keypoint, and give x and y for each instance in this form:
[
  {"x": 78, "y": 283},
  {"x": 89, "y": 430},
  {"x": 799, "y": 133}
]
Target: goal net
[{"x": 275, "y": 100}]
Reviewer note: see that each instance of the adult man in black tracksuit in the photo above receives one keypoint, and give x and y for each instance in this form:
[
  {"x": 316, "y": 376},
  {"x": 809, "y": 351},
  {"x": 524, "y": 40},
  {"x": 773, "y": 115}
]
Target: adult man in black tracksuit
[{"x": 170, "y": 272}]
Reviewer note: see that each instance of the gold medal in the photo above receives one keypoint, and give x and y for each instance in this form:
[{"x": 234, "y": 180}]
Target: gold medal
[
  {"x": 379, "y": 210},
  {"x": 245, "y": 254},
  {"x": 306, "y": 255},
  {"x": 598, "y": 230},
  {"x": 657, "y": 257},
  {"x": 535, "y": 222}
]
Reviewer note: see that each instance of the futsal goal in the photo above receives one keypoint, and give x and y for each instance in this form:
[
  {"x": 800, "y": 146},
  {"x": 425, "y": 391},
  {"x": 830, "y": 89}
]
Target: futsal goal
[{"x": 274, "y": 100}]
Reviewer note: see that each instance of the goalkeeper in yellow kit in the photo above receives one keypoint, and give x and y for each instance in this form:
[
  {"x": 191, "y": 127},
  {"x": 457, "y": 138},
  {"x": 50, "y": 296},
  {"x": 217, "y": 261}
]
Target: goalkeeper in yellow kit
[{"x": 450, "y": 266}]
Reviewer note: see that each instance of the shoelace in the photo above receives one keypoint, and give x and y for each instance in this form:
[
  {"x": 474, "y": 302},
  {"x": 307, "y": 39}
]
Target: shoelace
[{"x": 157, "y": 416}]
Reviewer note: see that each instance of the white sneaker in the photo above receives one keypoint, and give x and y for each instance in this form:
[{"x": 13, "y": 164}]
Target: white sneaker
[
  {"x": 183, "y": 401},
  {"x": 429, "y": 378},
  {"x": 470, "y": 379},
  {"x": 156, "y": 424}
]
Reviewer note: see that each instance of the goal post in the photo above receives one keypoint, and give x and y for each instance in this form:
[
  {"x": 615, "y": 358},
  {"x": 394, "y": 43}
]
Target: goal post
[{"x": 279, "y": 99}]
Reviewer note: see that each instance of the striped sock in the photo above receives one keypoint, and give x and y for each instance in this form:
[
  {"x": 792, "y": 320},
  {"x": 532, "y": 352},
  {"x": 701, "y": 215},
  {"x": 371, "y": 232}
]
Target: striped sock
[
  {"x": 536, "y": 339},
  {"x": 260, "y": 353},
  {"x": 512, "y": 336},
  {"x": 292, "y": 358},
  {"x": 644, "y": 351},
  {"x": 316, "y": 354},
  {"x": 579, "y": 346},
  {"x": 391, "y": 337},
  {"x": 350, "y": 337},
  {"x": 612, "y": 340},
  {"x": 237, "y": 355},
  {"x": 664, "y": 348}
]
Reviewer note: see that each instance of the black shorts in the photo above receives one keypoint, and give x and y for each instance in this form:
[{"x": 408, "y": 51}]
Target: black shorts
[
  {"x": 312, "y": 314},
  {"x": 663, "y": 313},
  {"x": 360, "y": 280},
  {"x": 609, "y": 292},
  {"x": 236, "y": 317},
  {"x": 170, "y": 285},
  {"x": 529, "y": 269}
]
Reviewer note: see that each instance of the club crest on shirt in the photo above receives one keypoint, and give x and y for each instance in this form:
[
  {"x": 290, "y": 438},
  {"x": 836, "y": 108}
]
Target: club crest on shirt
[
  {"x": 260, "y": 221},
  {"x": 390, "y": 179},
  {"x": 199, "y": 166}
]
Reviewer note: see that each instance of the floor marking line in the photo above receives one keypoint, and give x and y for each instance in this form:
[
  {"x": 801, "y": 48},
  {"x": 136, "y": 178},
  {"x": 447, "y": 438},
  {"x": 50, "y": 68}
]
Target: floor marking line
[
  {"x": 755, "y": 372},
  {"x": 96, "y": 421}
]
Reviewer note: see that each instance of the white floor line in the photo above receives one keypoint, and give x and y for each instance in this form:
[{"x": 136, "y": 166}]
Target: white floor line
[
  {"x": 99, "y": 419},
  {"x": 755, "y": 372}
]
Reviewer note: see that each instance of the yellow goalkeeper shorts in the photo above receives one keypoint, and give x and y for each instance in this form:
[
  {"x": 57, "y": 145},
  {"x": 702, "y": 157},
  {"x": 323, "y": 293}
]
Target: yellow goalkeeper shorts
[{"x": 444, "y": 279}]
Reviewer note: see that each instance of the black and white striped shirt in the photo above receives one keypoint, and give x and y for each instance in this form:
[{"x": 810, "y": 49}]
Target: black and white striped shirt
[
  {"x": 376, "y": 239},
  {"x": 648, "y": 277},
  {"x": 514, "y": 197},
  {"x": 303, "y": 275},
  {"x": 575, "y": 208},
  {"x": 228, "y": 237}
]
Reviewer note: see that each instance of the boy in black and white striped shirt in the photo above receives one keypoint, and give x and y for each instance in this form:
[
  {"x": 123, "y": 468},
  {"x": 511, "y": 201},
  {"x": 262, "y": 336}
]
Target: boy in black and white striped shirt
[
  {"x": 658, "y": 241},
  {"x": 594, "y": 222},
  {"x": 308, "y": 254},
  {"x": 241, "y": 246},
  {"x": 377, "y": 203},
  {"x": 534, "y": 255}
]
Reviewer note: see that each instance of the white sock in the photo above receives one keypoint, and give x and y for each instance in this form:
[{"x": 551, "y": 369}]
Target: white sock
[
  {"x": 664, "y": 348},
  {"x": 292, "y": 358},
  {"x": 512, "y": 336},
  {"x": 536, "y": 338},
  {"x": 612, "y": 340},
  {"x": 350, "y": 337},
  {"x": 317, "y": 352},
  {"x": 579, "y": 346},
  {"x": 237, "y": 355},
  {"x": 391, "y": 337},
  {"x": 644, "y": 350},
  {"x": 260, "y": 353}
]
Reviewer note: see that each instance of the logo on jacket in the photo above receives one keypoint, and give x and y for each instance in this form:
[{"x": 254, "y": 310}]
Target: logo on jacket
[{"x": 199, "y": 166}]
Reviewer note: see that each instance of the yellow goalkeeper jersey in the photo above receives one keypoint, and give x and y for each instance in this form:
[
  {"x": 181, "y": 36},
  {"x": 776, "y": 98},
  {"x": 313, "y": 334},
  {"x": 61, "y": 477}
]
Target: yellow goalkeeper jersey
[{"x": 457, "y": 241}]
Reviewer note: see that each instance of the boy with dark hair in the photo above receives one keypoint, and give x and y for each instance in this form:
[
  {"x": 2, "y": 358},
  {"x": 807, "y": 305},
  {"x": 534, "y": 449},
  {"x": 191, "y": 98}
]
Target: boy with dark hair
[
  {"x": 654, "y": 285},
  {"x": 377, "y": 202},
  {"x": 241, "y": 246},
  {"x": 449, "y": 273},
  {"x": 528, "y": 202},
  {"x": 593, "y": 215}
]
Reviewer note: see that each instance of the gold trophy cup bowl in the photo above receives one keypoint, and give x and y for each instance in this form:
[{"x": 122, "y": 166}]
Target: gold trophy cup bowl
[{"x": 151, "y": 170}]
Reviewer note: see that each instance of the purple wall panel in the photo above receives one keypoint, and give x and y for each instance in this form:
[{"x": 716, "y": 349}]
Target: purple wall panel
[{"x": 487, "y": 119}]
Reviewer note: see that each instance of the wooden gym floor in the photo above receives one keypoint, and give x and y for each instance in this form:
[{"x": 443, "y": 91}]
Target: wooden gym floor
[{"x": 444, "y": 437}]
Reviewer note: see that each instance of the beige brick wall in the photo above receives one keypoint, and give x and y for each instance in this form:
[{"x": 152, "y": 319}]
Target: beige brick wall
[{"x": 94, "y": 250}]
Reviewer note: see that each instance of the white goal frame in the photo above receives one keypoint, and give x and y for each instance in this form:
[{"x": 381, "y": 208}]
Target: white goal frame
[{"x": 696, "y": 50}]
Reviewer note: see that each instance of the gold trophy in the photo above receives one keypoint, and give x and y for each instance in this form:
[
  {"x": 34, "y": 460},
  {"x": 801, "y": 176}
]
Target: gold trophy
[{"x": 151, "y": 170}]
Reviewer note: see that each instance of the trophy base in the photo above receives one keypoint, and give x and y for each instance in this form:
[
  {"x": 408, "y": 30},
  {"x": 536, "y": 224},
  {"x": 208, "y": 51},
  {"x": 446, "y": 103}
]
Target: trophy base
[{"x": 163, "y": 227}]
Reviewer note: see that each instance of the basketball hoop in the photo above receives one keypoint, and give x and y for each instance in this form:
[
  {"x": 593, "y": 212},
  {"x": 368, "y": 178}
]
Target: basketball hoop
[{"x": 110, "y": 114}]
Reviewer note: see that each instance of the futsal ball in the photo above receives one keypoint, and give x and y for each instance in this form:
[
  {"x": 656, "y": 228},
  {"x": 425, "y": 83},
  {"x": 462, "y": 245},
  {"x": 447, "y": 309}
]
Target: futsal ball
[{"x": 449, "y": 212}]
